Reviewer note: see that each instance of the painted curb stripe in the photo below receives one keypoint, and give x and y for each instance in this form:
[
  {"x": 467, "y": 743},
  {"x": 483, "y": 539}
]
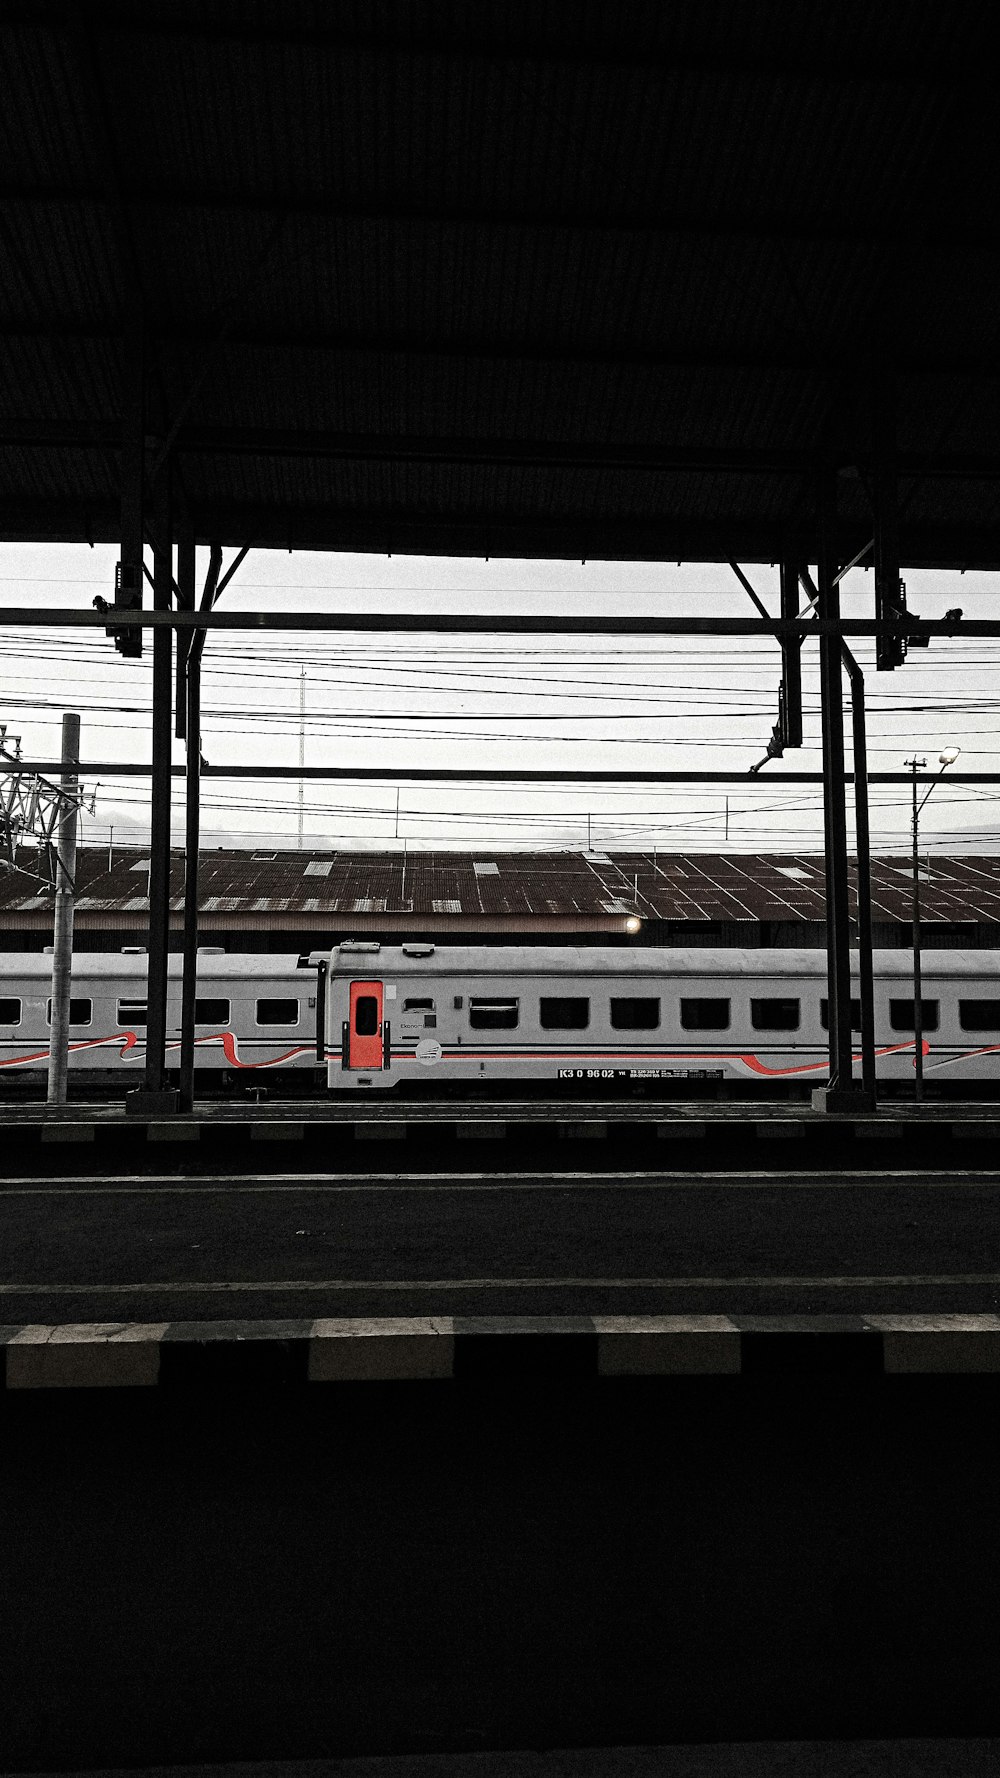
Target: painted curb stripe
[{"x": 410, "y": 1348}]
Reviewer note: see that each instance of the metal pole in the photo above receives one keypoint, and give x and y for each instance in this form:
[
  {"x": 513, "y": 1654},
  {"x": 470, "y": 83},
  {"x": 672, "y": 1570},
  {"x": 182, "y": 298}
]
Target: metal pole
[
  {"x": 192, "y": 837},
  {"x": 834, "y": 807},
  {"x": 791, "y": 658},
  {"x": 159, "y": 818},
  {"x": 866, "y": 984},
  {"x": 133, "y": 469},
  {"x": 62, "y": 940},
  {"x": 918, "y": 1021},
  {"x": 302, "y": 752},
  {"x": 185, "y": 602}
]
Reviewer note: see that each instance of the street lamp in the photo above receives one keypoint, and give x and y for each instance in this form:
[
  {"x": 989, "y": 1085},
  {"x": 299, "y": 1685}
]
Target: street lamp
[{"x": 947, "y": 758}]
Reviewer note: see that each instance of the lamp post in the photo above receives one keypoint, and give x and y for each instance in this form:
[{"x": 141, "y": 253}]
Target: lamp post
[{"x": 947, "y": 758}]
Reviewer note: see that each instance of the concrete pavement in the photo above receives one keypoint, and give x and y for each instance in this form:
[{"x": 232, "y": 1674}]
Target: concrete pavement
[{"x": 168, "y": 1246}]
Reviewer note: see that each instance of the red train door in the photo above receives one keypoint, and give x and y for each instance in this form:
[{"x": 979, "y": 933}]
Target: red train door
[{"x": 364, "y": 1030}]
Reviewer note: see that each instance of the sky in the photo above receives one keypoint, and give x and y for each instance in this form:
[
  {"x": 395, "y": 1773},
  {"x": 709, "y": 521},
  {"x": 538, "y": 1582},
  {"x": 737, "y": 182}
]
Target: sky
[{"x": 540, "y": 702}]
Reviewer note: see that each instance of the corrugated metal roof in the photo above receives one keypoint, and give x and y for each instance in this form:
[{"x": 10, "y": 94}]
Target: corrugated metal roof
[
  {"x": 239, "y": 887},
  {"x": 491, "y": 276}
]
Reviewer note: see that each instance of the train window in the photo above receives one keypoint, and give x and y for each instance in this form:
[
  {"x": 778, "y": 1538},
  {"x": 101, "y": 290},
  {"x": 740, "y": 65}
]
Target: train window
[
  {"x": 562, "y": 1013},
  {"x": 901, "y": 1014},
  {"x": 81, "y": 1012},
  {"x": 366, "y": 1015},
  {"x": 422, "y": 1013},
  {"x": 277, "y": 1012},
  {"x": 131, "y": 1012},
  {"x": 774, "y": 1013},
  {"x": 635, "y": 1014},
  {"x": 824, "y": 1014},
  {"x": 976, "y": 1015},
  {"x": 10, "y": 1011},
  {"x": 705, "y": 1015},
  {"x": 494, "y": 1015},
  {"x": 211, "y": 1012}
]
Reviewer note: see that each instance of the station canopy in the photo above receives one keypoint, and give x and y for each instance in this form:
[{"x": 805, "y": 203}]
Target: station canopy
[{"x": 505, "y": 277}]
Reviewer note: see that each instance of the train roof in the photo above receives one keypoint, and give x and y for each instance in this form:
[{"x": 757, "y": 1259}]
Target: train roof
[
  {"x": 366, "y": 958},
  {"x": 89, "y": 966},
  {"x": 424, "y": 961}
]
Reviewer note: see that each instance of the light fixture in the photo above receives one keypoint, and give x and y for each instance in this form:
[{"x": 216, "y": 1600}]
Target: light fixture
[
  {"x": 949, "y": 756},
  {"x": 633, "y": 923}
]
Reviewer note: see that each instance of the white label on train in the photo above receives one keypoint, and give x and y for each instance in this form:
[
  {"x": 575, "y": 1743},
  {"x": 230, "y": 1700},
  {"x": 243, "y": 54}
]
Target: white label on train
[{"x": 640, "y": 1074}]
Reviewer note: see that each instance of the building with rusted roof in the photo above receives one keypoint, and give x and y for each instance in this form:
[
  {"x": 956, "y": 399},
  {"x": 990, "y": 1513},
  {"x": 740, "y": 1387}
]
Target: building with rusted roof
[{"x": 282, "y": 900}]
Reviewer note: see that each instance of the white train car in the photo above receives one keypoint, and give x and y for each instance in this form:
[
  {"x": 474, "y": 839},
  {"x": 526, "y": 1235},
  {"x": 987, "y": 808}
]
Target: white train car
[
  {"x": 415, "y": 1014},
  {"x": 253, "y": 1013},
  {"x": 396, "y": 1013}
]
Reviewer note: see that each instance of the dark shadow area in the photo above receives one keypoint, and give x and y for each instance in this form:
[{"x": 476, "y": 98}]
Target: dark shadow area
[{"x": 248, "y": 1569}]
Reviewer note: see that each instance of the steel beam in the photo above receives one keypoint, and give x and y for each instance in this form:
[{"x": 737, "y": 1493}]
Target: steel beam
[
  {"x": 954, "y": 69},
  {"x": 390, "y": 774},
  {"x": 392, "y": 623},
  {"x": 612, "y": 222},
  {"x": 40, "y": 433},
  {"x": 423, "y": 347},
  {"x": 957, "y": 544}
]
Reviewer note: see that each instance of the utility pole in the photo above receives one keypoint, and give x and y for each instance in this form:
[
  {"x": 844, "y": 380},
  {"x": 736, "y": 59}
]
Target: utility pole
[
  {"x": 947, "y": 758},
  {"x": 918, "y": 1008},
  {"x": 62, "y": 943},
  {"x": 302, "y": 753}
]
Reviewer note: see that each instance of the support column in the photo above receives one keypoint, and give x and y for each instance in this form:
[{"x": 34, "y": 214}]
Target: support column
[
  {"x": 791, "y": 660},
  {"x": 866, "y": 984},
  {"x": 890, "y": 652},
  {"x": 185, "y": 602},
  {"x": 192, "y": 847},
  {"x": 834, "y": 808},
  {"x": 62, "y": 935},
  {"x": 128, "y": 584},
  {"x": 918, "y": 1004},
  {"x": 192, "y": 835},
  {"x": 159, "y": 820}
]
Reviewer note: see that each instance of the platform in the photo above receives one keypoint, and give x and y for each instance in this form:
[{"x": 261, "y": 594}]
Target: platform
[{"x": 671, "y": 1128}]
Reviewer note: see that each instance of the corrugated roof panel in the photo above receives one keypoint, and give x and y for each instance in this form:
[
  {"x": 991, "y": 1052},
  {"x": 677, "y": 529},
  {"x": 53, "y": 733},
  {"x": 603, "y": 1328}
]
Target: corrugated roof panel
[
  {"x": 688, "y": 886},
  {"x": 431, "y": 233}
]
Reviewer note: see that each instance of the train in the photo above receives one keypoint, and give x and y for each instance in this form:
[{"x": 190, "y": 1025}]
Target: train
[
  {"x": 371, "y": 1017},
  {"x": 253, "y": 1014}
]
